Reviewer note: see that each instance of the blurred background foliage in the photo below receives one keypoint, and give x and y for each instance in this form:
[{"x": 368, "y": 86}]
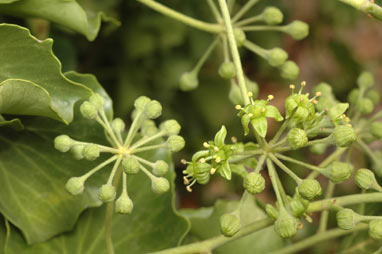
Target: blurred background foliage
[{"x": 148, "y": 52}]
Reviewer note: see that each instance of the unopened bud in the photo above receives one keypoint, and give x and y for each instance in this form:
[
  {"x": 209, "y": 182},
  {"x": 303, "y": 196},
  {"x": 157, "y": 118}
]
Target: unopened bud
[
  {"x": 276, "y": 57},
  {"x": 344, "y": 135},
  {"x": 75, "y": 185},
  {"x": 188, "y": 81},
  {"x": 91, "y": 152},
  {"x": 160, "y": 185},
  {"x": 254, "y": 183},
  {"x": 106, "y": 193},
  {"x": 153, "y": 109},
  {"x": 347, "y": 218},
  {"x": 171, "y": 127},
  {"x": 289, "y": 70},
  {"x": 63, "y": 143},
  {"x": 375, "y": 229},
  {"x": 88, "y": 110},
  {"x": 175, "y": 143},
  {"x": 297, "y": 138},
  {"x": 160, "y": 168},
  {"x": 130, "y": 165},
  {"x": 286, "y": 224},
  {"x": 229, "y": 224},
  {"x": 124, "y": 205},
  {"x": 227, "y": 70},
  {"x": 309, "y": 189},
  {"x": 298, "y": 30},
  {"x": 272, "y": 16}
]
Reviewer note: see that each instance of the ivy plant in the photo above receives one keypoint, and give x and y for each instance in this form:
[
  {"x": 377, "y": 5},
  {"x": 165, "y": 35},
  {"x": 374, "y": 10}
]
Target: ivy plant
[{"x": 77, "y": 179}]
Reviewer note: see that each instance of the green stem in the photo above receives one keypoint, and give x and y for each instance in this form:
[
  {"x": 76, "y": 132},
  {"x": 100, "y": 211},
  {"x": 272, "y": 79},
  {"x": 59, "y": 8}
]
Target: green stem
[
  {"x": 297, "y": 179},
  {"x": 109, "y": 129},
  {"x": 310, "y": 241},
  {"x": 133, "y": 129},
  {"x": 249, "y": 20},
  {"x": 339, "y": 151},
  {"x": 368, "y": 151},
  {"x": 264, "y": 28},
  {"x": 204, "y": 57},
  {"x": 244, "y": 10},
  {"x": 344, "y": 201},
  {"x": 256, "y": 49},
  {"x": 260, "y": 163},
  {"x": 204, "y": 26},
  {"x": 148, "y": 148},
  {"x": 325, "y": 214},
  {"x": 367, "y": 7},
  {"x": 272, "y": 175},
  {"x": 307, "y": 165},
  {"x": 145, "y": 140},
  {"x": 234, "y": 50},
  {"x": 214, "y": 10},
  {"x": 280, "y": 132},
  {"x": 208, "y": 245},
  {"x": 110, "y": 208},
  {"x": 100, "y": 166}
]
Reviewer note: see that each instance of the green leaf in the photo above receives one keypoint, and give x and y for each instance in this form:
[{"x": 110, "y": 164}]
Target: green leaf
[
  {"x": 28, "y": 69},
  {"x": 338, "y": 110},
  {"x": 220, "y": 137},
  {"x": 14, "y": 123},
  {"x": 7, "y": 1},
  {"x": 245, "y": 119},
  {"x": 66, "y": 13},
  {"x": 153, "y": 225},
  {"x": 225, "y": 170},
  {"x": 273, "y": 112},
  {"x": 206, "y": 224},
  {"x": 260, "y": 124}
]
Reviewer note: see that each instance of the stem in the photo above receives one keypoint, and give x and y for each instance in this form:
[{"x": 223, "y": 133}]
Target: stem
[
  {"x": 272, "y": 175},
  {"x": 344, "y": 201},
  {"x": 339, "y": 151},
  {"x": 233, "y": 46},
  {"x": 244, "y": 9},
  {"x": 214, "y": 10},
  {"x": 112, "y": 141},
  {"x": 256, "y": 49},
  {"x": 325, "y": 214},
  {"x": 109, "y": 129},
  {"x": 279, "y": 132},
  {"x": 148, "y": 148},
  {"x": 317, "y": 239},
  {"x": 250, "y": 20},
  {"x": 307, "y": 165},
  {"x": 100, "y": 166},
  {"x": 367, "y": 7},
  {"x": 297, "y": 179},
  {"x": 133, "y": 129},
  {"x": 208, "y": 245},
  {"x": 110, "y": 208},
  {"x": 148, "y": 163},
  {"x": 147, "y": 172},
  {"x": 204, "y": 57},
  {"x": 204, "y": 26},
  {"x": 145, "y": 140},
  {"x": 367, "y": 150},
  {"x": 260, "y": 163}
]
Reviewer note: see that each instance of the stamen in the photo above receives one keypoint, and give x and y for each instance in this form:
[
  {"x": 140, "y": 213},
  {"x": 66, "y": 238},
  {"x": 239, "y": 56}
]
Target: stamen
[
  {"x": 188, "y": 188},
  {"x": 202, "y": 160},
  {"x": 315, "y": 101},
  {"x": 238, "y": 107},
  {"x": 216, "y": 149},
  {"x": 233, "y": 139},
  {"x": 250, "y": 94},
  {"x": 183, "y": 161},
  {"x": 262, "y": 110},
  {"x": 185, "y": 180},
  {"x": 212, "y": 171},
  {"x": 250, "y": 115},
  {"x": 206, "y": 145},
  {"x": 347, "y": 120},
  {"x": 318, "y": 94},
  {"x": 270, "y": 97},
  {"x": 218, "y": 159}
]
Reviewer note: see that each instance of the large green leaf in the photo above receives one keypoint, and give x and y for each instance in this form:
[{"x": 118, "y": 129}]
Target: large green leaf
[
  {"x": 66, "y": 13},
  {"x": 31, "y": 78},
  {"x": 205, "y": 224},
  {"x": 13, "y": 123},
  {"x": 7, "y": 1},
  {"x": 153, "y": 225}
]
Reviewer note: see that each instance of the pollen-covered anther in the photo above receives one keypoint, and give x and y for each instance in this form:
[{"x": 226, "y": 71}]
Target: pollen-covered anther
[
  {"x": 250, "y": 115},
  {"x": 216, "y": 149},
  {"x": 314, "y": 101},
  {"x": 250, "y": 94},
  {"x": 183, "y": 161},
  {"x": 238, "y": 107},
  {"x": 303, "y": 83},
  {"x": 292, "y": 87},
  {"x": 188, "y": 188},
  {"x": 206, "y": 145},
  {"x": 270, "y": 97},
  {"x": 262, "y": 110},
  {"x": 212, "y": 171},
  {"x": 218, "y": 159},
  {"x": 234, "y": 139},
  {"x": 318, "y": 94},
  {"x": 185, "y": 180},
  {"x": 347, "y": 120},
  {"x": 202, "y": 160}
]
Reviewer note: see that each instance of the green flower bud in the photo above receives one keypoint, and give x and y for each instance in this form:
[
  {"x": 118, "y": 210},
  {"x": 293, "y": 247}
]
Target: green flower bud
[
  {"x": 254, "y": 183},
  {"x": 289, "y": 70},
  {"x": 148, "y": 128},
  {"x": 375, "y": 229},
  {"x": 91, "y": 152},
  {"x": 171, "y": 127},
  {"x": 229, "y": 224},
  {"x": 366, "y": 106},
  {"x": 365, "y": 80},
  {"x": 106, "y": 193},
  {"x": 297, "y": 138},
  {"x": 160, "y": 185},
  {"x": 140, "y": 103},
  {"x": 175, "y": 143},
  {"x": 298, "y": 206},
  {"x": 78, "y": 152},
  {"x": 124, "y": 205},
  {"x": 153, "y": 109},
  {"x": 160, "y": 168},
  {"x": 188, "y": 81},
  {"x": 347, "y": 219},
  {"x": 338, "y": 172},
  {"x": 272, "y": 16},
  {"x": 276, "y": 57},
  {"x": 324, "y": 88},
  {"x": 318, "y": 148},
  {"x": 130, "y": 165},
  {"x": 297, "y": 29},
  {"x": 272, "y": 212},
  {"x": 239, "y": 36},
  {"x": 344, "y": 135},
  {"x": 309, "y": 189},
  {"x": 63, "y": 143},
  {"x": 376, "y": 129},
  {"x": 97, "y": 100},
  {"x": 199, "y": 171},
  {"x": 286, "y": 224},
  {"x": 118, "y": 125},
  {"x": 353, "y": 96},
  {"x": 88, "y": 110},
  {"x": 227, "y": 70},
  {"x": 75, "y": 185},
  {"x": 365, "y": 179},
  {"x": 374, "y": 96}
]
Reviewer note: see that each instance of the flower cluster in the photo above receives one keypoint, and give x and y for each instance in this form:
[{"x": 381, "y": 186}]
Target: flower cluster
[
  {"x": 126, "y": 149},
  {"x": 268, "y": 19}
]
